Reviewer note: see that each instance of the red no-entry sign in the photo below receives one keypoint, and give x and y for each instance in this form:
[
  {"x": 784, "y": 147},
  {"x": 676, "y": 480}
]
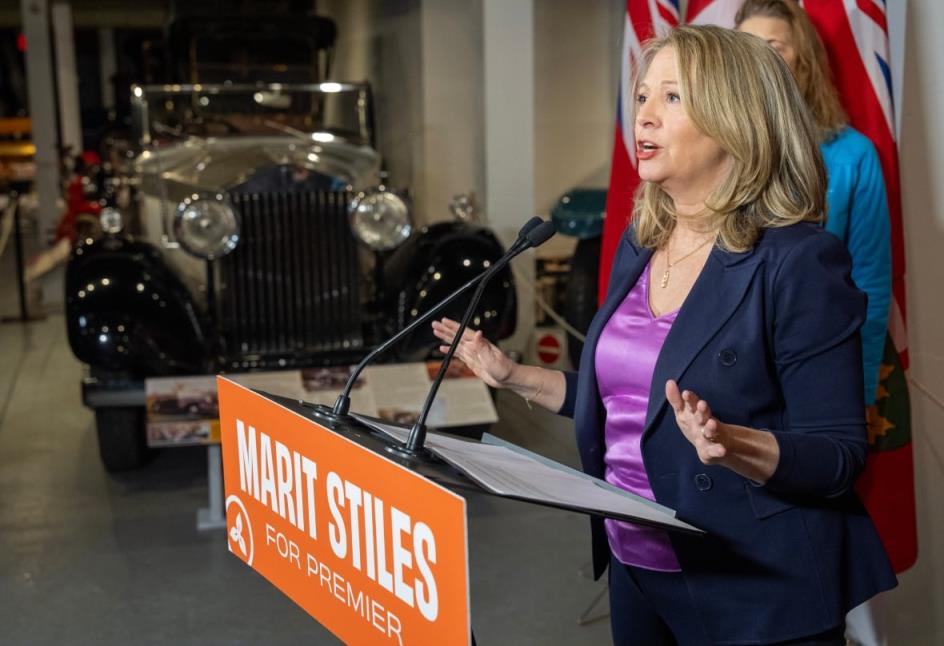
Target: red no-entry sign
[{"x": 549, "y": 348}]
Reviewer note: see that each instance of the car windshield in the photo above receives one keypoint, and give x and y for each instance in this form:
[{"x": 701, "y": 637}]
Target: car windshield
[{"x": 323, "y": 111}]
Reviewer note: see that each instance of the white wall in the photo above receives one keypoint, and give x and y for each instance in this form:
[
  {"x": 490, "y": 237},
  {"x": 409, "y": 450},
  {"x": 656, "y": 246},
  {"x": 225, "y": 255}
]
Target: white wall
[
  {"x": 380, "y": 41},
  {"x": 914, "y": 613},
  {"x": 426, "y": 63},
  {"x": 576, "y": 75},
  {"x": 452, "y": 146}
]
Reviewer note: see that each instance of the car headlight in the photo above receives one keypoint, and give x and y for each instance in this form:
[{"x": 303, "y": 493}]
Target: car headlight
[
  {"x": 380, "y": 219},
  {"x": 110, "y": 219},
  {"x": 206, "y": 226}
]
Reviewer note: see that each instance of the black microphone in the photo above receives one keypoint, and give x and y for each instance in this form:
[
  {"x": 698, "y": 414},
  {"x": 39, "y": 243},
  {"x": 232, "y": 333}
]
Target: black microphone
[
  {"x": 526, "y": 228},
  {"x": 533, "y": 238},
  {"x": 343, "y": 403}
]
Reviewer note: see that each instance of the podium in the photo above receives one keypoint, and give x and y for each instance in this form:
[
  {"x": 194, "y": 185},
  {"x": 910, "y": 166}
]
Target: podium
[{"x": 371, "y": 542}]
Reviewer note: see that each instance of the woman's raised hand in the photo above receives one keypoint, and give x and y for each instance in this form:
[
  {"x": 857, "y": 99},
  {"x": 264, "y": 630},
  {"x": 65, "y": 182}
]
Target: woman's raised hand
[
  {"x": 486, "y": 360},
  {"x": 750, "y": 452},
  {"x": 693, "y": 416}
]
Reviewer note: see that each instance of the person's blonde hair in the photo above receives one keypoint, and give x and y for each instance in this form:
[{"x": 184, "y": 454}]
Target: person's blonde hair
[
  {"x": 738, "y": 91},
  {"x": 811, "y": 68}
]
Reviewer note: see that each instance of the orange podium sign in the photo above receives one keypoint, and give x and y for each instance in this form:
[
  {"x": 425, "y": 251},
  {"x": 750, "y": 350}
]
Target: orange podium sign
[{"x": 374, "y": 552}]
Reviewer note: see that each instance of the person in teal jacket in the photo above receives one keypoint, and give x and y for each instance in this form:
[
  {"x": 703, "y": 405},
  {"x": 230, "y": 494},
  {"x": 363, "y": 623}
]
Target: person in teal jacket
[
  {"x": 857, "y": 204},
  {"x": 858, "y": 215}
]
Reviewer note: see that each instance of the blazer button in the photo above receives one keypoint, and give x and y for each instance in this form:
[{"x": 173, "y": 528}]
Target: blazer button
[
  {"x": 703, "y": 482},
  {"x": 728, "y": 357}
]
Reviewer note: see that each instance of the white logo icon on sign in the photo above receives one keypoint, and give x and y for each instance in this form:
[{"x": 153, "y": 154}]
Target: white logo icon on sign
[{"x": 239, "y": 530}]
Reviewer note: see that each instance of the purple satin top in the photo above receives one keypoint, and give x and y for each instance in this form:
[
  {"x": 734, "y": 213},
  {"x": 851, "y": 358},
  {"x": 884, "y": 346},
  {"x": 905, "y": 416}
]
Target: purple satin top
[{"x": 625, "y": 360}]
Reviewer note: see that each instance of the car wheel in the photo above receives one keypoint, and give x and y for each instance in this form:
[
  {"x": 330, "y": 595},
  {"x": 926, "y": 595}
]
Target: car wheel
[
  {"x": 580, "y": 295},
  {"x": 121, "y": 440}
]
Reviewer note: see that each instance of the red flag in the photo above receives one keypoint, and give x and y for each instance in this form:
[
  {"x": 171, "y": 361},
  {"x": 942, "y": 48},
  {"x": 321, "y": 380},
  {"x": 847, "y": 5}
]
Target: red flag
[
  {"x": 712, "y": 12},
  {"x": 644, "y": 19}
]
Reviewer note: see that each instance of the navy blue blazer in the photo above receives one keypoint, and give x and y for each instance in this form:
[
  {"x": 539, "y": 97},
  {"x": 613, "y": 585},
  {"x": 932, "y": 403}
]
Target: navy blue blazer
[{"x": 770, "y": 339}]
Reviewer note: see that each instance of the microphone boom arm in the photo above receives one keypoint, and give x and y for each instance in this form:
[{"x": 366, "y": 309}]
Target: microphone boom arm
[
  {"x": 418, "y": 433},
  {"x": 534, "y": 237},
  {"x": 343, "y": 403}
]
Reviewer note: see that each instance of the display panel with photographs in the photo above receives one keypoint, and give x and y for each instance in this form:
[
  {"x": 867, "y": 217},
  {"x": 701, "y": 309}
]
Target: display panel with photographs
[{"x": 184, "y": 411}]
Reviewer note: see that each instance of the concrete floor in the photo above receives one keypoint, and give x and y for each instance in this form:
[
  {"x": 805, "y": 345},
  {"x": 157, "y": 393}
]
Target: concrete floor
[{"x": 89, "y": 558}]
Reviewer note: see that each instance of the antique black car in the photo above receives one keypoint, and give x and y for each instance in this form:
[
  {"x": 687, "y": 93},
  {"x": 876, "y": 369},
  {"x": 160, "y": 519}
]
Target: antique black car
[{"x": 260, "y": 236}]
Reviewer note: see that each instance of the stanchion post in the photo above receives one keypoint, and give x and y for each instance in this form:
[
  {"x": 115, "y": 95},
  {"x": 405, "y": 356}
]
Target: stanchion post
[
  {"x": 213, "y": 516},
  {"x": 24, "y": 316},
  {"x": 18, "y": 250}
]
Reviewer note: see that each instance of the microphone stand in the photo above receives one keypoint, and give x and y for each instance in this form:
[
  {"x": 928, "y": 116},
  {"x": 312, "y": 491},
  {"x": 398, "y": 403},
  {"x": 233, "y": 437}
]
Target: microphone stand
[
  {"x": 417, "y": 438},
  {"x": 342, "y": 404}
]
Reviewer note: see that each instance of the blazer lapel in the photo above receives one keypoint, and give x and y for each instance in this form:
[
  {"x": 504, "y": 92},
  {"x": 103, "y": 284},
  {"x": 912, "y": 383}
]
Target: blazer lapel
[{"x": 715, "y": 296}]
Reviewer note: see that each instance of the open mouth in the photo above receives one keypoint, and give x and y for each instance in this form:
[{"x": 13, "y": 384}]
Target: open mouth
[{"x": 646, "y": 149}]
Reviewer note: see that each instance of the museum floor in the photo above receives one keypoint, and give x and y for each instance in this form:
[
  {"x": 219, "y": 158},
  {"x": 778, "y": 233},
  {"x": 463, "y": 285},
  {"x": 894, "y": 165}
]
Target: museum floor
[{"x": 88, "y": 558}]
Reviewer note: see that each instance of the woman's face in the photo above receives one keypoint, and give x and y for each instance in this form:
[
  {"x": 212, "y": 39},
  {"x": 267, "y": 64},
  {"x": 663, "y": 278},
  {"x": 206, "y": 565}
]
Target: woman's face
[
  {"x": 672, "y": 152},
  {"x": 777, "y": 33}
]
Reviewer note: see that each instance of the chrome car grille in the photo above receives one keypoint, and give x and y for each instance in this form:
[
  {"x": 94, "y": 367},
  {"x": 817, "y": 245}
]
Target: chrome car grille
[{"x": 289, "y": 291}]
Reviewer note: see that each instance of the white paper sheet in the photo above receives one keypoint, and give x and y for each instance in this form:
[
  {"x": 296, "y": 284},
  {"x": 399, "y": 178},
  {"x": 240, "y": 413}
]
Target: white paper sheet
[{"x": 507, "y": 472}]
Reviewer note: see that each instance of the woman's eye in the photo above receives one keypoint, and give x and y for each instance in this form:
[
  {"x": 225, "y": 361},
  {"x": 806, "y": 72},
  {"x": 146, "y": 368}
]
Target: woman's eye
[
  {"x": 640, "y": 98},
  {"x": 672, "y": 97}
]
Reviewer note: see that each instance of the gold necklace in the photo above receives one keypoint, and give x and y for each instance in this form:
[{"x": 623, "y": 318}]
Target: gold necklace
[{"x": 669, "y": 264}]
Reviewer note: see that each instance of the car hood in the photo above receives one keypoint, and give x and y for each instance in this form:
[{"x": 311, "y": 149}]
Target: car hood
[{"x": 219, "y": 164}]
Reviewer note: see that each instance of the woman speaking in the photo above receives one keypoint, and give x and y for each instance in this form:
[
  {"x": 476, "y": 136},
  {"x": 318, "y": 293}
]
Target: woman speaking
[{"x": 722, "y": 376}]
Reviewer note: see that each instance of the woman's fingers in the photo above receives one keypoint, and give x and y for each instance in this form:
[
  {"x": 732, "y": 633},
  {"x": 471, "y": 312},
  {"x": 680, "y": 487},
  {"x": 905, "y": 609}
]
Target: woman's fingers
[
  {"x": 715, "y": 452},
  {"x": 687, "y": 403},
  {"x": 702, "y": 411},
  {"x": 474, "y": 348},
  {"x": 691, "y": 401},
  {"x": 710, "y": 430},
  {"x": 448, "y": 325},
  {"x": 485, "y": 359},
  {"x": 446, "y": 330},
  {"x": 443, "y": 331},
  {"x": 694, "y": 417},
  {"x": 689, "y": 410},
  {"x": 673, "y": 396}
]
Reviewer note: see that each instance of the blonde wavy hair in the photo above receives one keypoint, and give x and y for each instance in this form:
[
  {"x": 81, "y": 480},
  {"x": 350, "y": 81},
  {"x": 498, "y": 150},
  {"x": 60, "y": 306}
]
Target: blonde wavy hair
[
  {"x": 738, "y": 91},
  {"x": 811, "y": 68}
]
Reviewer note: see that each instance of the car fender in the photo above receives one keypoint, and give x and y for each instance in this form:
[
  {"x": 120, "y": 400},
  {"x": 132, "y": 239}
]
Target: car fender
[
  {"x": 126, "y": 311},
  {"x": 438, "y": 260}
]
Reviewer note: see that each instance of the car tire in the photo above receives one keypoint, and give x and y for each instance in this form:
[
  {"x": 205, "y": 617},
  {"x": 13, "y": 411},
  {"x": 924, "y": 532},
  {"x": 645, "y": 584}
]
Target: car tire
[
  {"x": 580, "y": 295},
  {"x": 121, "y": 440}
]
